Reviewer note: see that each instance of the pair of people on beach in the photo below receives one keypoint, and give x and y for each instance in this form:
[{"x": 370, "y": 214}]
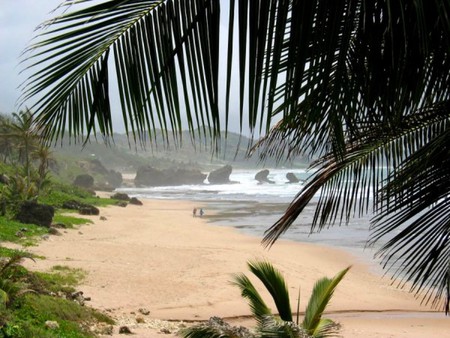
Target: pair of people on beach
[{"x": 194, "y": 212}]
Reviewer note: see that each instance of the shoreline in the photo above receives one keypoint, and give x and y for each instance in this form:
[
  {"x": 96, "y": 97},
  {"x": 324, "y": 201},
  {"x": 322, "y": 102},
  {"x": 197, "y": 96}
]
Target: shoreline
[{"x": 158, "y": 257}]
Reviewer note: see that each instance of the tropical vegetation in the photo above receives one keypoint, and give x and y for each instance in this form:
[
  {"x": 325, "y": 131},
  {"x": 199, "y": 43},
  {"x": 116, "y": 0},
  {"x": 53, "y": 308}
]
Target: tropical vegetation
[
  {"x": 358, "y": 85},
  {"x": 282, "y": 324}
]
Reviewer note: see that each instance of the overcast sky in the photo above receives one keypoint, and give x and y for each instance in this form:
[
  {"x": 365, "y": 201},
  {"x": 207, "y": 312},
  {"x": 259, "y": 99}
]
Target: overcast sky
[{"x": 18, "y": 20}]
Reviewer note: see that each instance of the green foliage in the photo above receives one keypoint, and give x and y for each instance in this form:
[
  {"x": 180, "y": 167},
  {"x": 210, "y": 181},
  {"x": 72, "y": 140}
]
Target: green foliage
[
  {"x": 23, "y": 313},
  {"x": 59, "y": 193},
  {"x": 73, "y": 319},
  {"x": 9, "y": 230},
  {"x": 61, "y": 278},
  {"x": 69, "y": 221}
]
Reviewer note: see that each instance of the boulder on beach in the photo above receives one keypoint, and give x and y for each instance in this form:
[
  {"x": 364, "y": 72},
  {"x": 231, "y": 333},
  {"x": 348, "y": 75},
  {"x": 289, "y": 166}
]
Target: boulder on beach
[
  {"x": 31, "y": 212},
  {"x": 261, "y": 176},
  {"x": 147, "y": 176},
  {"x": 221, "y": 175},
  {"x": 292, "y": 178}
]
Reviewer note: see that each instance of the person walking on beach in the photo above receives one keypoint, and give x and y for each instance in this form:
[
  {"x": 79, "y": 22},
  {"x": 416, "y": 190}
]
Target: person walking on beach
[
  {"x": 201, "y": 212},
  {"x": 194, "y": 212}
]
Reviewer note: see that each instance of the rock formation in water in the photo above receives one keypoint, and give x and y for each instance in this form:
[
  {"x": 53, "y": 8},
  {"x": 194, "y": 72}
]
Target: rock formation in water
[
  {"x": 221, "y": 175},
  {"x": 292, "y": 178},
  {"x": 261, "y": 176}
]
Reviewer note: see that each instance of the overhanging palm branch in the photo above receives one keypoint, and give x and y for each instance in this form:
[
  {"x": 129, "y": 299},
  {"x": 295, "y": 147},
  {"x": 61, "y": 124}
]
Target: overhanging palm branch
[{"x": 165, "y": 56}]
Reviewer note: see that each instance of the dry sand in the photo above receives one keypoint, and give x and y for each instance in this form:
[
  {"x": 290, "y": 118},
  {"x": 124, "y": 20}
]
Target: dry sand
[{"x": 158, "y": 257}]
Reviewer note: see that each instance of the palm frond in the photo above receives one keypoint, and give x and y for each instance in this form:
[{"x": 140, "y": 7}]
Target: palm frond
[
  {"x": 257, "y": 305},
  {"x": 321, "y": 295},
  {"x": 275, "y": 284},
  {"x": 413, "y": 207},
  {"x": 165, "y": 55}
]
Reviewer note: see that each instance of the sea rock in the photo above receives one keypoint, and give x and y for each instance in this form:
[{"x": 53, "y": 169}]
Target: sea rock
[
  {"x": 221, "y": 175},
  {"x": 292, "y": 178},
  {"x": 34, "y": 213},
  {"x": 150, "y": 177},
  {"x": 84, "y": 181},
  {"x": 261, "y": 176}
]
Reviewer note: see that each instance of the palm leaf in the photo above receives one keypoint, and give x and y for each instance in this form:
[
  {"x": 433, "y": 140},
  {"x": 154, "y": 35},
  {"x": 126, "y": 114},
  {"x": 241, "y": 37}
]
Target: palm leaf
[
  {"x": 276, "y": 285},
  {"x": 248, "y": 291},
  {"x": 156, "y": 46},
  {"x": 322, "y": 292}
]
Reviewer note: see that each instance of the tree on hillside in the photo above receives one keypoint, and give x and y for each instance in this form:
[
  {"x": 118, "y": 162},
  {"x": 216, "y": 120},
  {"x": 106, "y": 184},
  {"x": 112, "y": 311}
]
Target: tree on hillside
[
  {"x": 360, "y": 85},
  {"x": 25, "y": 137},
  {"x": 6, "y": 144}
]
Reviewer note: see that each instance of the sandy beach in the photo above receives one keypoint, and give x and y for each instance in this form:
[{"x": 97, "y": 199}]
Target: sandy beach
[{"x": 158, "y": 257}]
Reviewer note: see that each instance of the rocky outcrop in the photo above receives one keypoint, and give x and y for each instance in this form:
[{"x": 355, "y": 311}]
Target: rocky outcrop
[
  {"x": 83, "y": 208},
  {"x": 151, "y": 177},
  {"x": 262, "y": 176},
  {"x": 292, "y": 178},
  {"x": 84, "y": 181},
  {"x": 221, "y": 175},
  {"x": 35, "y": 213}
]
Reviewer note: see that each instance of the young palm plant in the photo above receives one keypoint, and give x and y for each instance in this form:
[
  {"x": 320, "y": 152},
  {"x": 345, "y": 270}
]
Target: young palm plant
[
  {"x": 11, "y": 284},
  {"x": 282, "y": 324}
]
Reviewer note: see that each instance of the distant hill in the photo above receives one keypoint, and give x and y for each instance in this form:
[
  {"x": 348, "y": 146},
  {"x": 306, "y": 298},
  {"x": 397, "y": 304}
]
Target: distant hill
[{"x": 124, "y": 155}]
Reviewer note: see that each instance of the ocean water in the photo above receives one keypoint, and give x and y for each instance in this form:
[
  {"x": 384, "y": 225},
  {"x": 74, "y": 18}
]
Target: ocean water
[{"x": 252, "y": 208}]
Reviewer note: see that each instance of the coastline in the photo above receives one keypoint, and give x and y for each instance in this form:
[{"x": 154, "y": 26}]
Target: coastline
[{"x": 158, "y": 257}]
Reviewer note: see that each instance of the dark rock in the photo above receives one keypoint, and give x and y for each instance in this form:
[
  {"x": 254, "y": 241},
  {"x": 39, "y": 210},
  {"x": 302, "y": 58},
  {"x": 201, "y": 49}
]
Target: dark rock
[
  {"x": 292, "y": 178},
  {"x": 88, "y": 210},
  {"x": 34, "y": 213},
  {"x": 124, "y": 330},
  {"x": 135, "y": 201},
  {"x": 83, "y": 208},
  {"x": 121, "y": 196},
  {"x": 221, "y": 175},
  {"x": 84, "y": 181},
  {"x": 72, "y": 205},
  {"x": 151, "y": 177},
  {"x": 122, "y": 204},
  {"x": 261, "y": 176}
]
